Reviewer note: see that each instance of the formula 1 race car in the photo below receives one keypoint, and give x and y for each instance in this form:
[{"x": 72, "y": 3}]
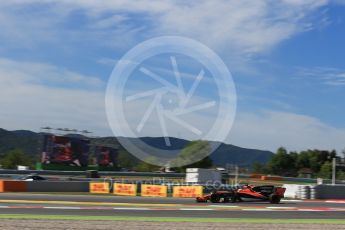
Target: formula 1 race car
[{"x": 269, "y": 193}]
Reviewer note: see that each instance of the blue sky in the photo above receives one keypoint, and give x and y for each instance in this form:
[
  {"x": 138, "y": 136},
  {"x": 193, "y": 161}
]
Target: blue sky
[{"x": 286, "y": 58}]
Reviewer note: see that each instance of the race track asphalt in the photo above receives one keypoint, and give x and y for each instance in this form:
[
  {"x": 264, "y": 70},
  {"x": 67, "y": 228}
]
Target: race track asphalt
[{"x": 98, "y": 205}]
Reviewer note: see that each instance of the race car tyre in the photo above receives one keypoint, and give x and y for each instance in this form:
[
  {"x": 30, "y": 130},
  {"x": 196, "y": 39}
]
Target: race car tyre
[
  {"x": 215, "y": 198},
  {"x": 234, "y": 198},
  {"x": 274, "y": 199}
]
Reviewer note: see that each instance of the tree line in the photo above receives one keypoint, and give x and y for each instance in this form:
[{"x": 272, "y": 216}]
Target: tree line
[
  {"x": 11, "y": 159},
  {"x": 309, "y": 163},
  {"x": 193, "y": 150}
]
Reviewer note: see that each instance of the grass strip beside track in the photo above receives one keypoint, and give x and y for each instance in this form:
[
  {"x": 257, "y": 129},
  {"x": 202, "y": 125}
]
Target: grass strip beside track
[{"x": 174, "y": 219}]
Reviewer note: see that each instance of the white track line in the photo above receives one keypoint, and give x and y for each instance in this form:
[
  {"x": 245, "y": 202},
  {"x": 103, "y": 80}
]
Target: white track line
[
  {"x": 196, "y": 209},
  {"x": 292, "y": 200},
  {"x": 310, "y": 210},
  {"x": 337, "y": 209},
  {"x": 139, "y": 209},
  {"x": 62, "y": 207},
  {"x": 335, "y": 201},
  {"x": 256, "y": 209}
]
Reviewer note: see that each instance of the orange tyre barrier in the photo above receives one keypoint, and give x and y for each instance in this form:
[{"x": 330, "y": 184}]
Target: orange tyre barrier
[
  {"x": 13, "y": 186},
  {"x": 256, "y": 176},
  {"x": 278, "y": 178}
]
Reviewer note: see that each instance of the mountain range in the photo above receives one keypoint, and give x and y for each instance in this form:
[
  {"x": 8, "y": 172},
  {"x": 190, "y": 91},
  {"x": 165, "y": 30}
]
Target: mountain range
[{"x": 30, "y": 143}]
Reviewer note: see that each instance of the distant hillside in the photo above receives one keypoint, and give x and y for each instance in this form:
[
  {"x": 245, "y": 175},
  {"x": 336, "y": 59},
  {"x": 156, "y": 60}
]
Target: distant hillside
[
  {"x": 240, "y": 156},
  {"x": 30, "y": 143},
  {"x": 225, "y": 153},
  {"x": 26, "y": 140}
]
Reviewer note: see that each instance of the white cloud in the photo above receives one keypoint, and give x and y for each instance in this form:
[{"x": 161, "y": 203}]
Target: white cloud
[
  {"x": 240, "y": 26},
  {"x": 325, "y": 75},
  {"x": 109, "y": 22},
  {"x": 33, "y": 95},
  {"x": 272, "y": 129},
  {"x": 250, "y": 26},
  {"x": 247, "y": 26},
  {"x": 27, "y": 104},
  {"x": 237, "y": 30},
  {"x": 31, "y": 72},
  {"x": 107, "y": 61}
]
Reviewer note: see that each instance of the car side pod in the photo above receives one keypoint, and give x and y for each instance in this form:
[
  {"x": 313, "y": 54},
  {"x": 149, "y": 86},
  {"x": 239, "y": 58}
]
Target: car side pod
[
  {"x": 218, "y": 196},
  {"x": 280, "y": 191},
  {"x": 201, "y": 199}
]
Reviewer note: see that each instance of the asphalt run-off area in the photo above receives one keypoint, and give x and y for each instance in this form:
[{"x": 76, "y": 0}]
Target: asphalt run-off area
[{"x": 117, "y": 206}]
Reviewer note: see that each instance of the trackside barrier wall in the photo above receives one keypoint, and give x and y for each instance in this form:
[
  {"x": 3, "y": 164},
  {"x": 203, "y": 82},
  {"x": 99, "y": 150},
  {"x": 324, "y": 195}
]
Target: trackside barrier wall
[
  {"x": 154, "y": 190},
  {"x": 315, "y": 192},
  {"x": 256, "y": 176},
  {"x": 99, "y": 187},
  {"x": 125, "y": 189},
  {"x": 187, "y": 191},
  {"x": 13, "y": 186},
  {"x": 277, "y": 178},
  {"x": 101, "y": 173},
  {"x": 330, "y": 192},
  {"x": 299, "y": 191},
  {"x": 57, "y": 186},
  {"x": 303, "y": 192},
  {"x": 7, "y": 173},
  {"x": 291, "y": 190},
  {"x": 312, "y": 192}
]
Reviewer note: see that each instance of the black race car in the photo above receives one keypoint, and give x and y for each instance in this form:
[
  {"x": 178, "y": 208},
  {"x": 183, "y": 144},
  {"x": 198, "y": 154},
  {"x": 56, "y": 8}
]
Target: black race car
[{"x": 269, "y": 193}]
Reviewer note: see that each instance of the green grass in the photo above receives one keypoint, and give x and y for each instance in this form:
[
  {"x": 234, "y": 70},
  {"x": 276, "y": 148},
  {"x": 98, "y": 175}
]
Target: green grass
[{"x": 175, "y": 219}]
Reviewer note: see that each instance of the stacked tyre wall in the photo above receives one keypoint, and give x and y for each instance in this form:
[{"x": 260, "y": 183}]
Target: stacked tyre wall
[{"x": 315, "y": 191}]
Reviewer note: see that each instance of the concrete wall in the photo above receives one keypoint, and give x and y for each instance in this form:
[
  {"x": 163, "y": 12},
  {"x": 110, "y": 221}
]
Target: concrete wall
[
  {"x": 321, "y": 191},
  {"x": 330, "y": 191},
  {"x": 202, "y": 176},
  {"x": 57, "y": 186}
]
